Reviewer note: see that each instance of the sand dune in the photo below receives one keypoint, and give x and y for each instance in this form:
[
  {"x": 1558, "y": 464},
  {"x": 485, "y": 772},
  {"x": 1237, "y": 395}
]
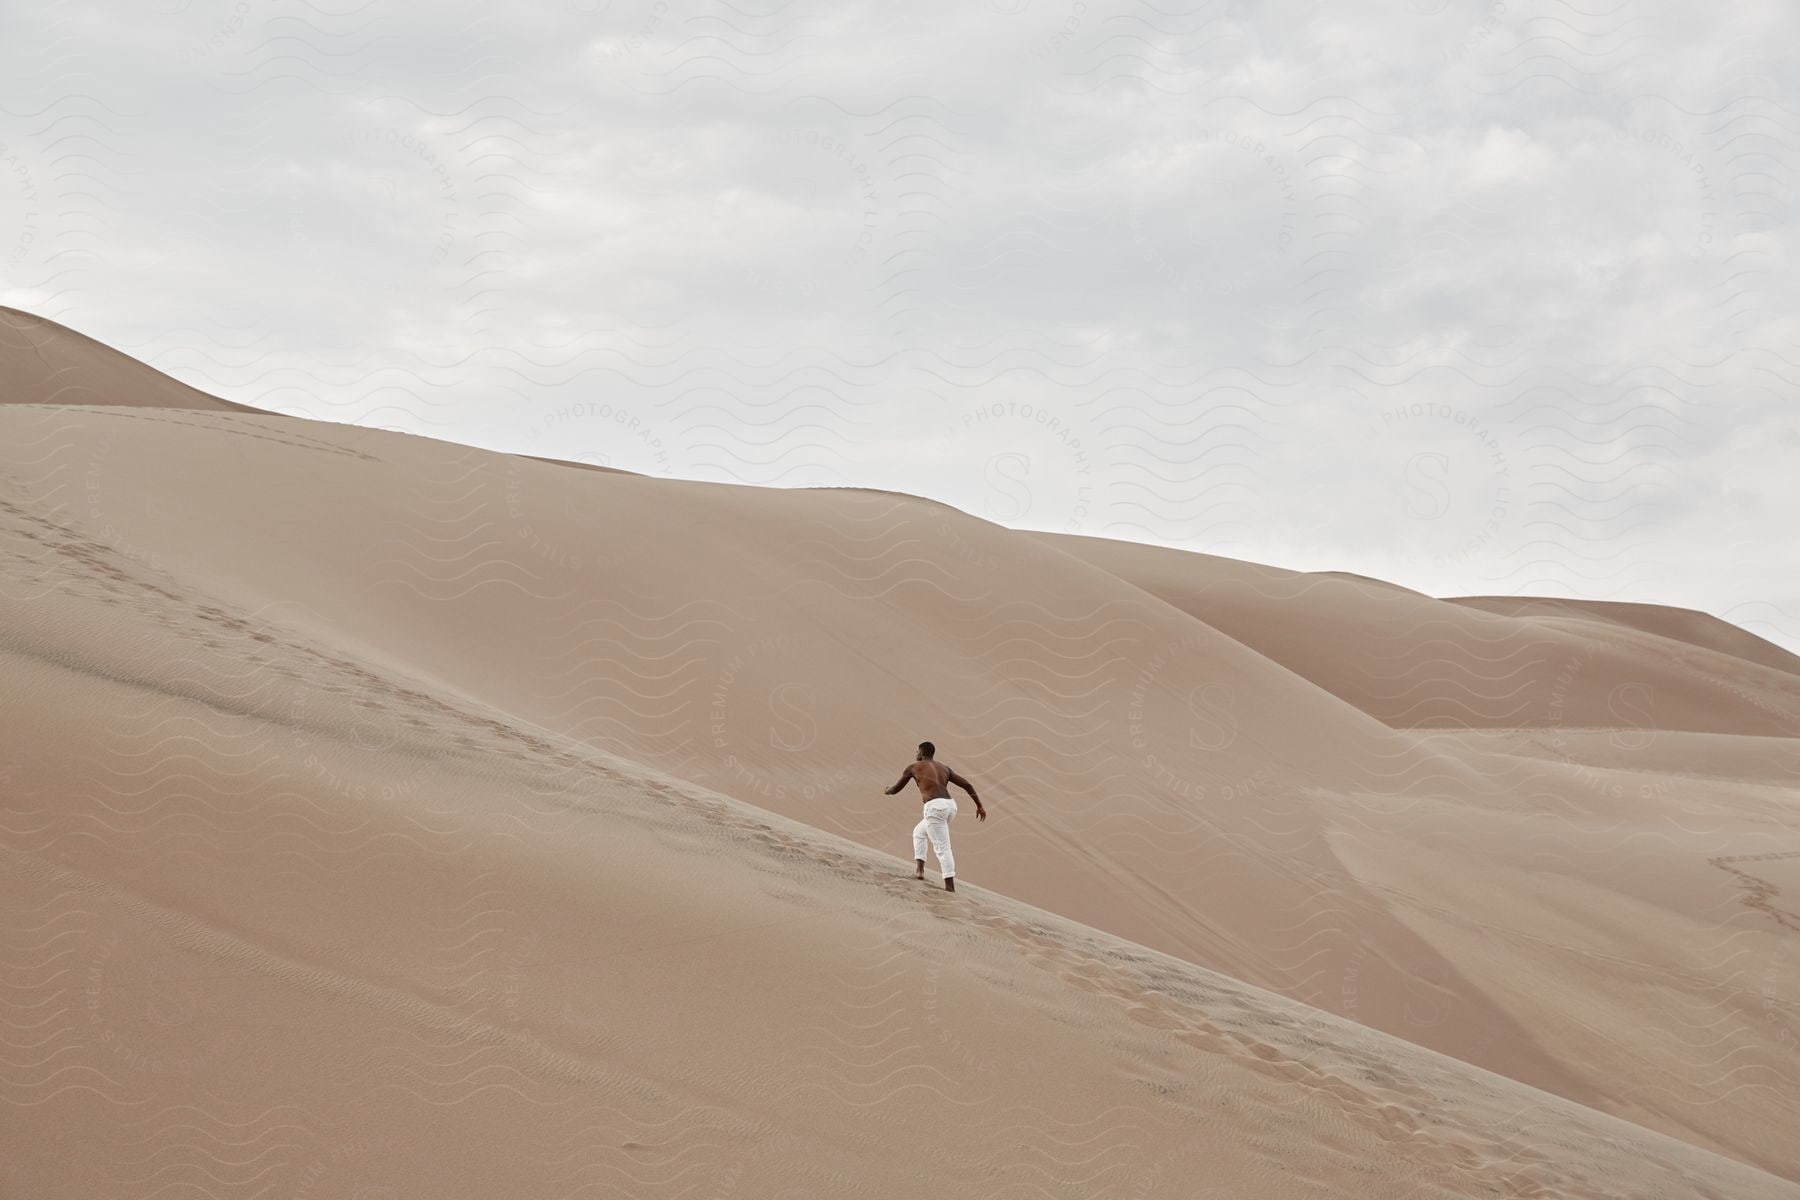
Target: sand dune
[
  {"x": 1477, "y": 662},
  {"x": 383, "y": 805},
  {"x": 1674, "y": 624},
  {"x": 47, "y": 363}
]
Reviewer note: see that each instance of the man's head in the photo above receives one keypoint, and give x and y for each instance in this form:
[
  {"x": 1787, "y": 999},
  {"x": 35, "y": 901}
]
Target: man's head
[{"x": 927, "y": 750}]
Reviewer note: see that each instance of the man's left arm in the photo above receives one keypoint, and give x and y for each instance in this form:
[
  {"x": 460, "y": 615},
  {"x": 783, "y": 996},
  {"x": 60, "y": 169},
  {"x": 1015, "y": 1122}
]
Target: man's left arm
[
  {"x": 965, "y": 785},
  {"x": 905, "y": 778}
]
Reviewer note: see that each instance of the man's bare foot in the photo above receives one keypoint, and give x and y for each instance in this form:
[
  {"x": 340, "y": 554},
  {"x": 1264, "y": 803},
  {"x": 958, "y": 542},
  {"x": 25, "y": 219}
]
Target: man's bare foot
[
  {"x": 920, "y": 873},
  {"x": 949, "y": 883}
]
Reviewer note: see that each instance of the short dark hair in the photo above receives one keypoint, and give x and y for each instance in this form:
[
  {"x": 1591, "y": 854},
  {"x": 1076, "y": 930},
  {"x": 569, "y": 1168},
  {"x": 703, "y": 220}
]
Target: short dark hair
[{"x": 927, "y": 749}]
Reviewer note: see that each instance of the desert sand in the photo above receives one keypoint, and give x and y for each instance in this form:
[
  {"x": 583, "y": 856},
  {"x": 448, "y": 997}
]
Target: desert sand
[{"x": 383, "y": 813}]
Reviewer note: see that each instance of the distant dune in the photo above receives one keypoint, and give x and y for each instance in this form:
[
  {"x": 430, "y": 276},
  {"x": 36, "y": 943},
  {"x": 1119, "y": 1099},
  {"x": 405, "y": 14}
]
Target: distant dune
[
  {"x": 386, "y": 813},
  {"x": 1673, "y": 624},
  {"x": 1478, "y": 662},
  {"x": 47, "y": 363}
]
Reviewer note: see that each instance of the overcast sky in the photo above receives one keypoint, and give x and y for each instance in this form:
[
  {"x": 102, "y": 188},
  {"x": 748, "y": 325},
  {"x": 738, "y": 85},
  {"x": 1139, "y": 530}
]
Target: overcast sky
[{"x": 1471, "y": 295}]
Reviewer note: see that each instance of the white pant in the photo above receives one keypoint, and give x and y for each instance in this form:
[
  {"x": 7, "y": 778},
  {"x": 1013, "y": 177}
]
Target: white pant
[{"x": 935, "y": 829}]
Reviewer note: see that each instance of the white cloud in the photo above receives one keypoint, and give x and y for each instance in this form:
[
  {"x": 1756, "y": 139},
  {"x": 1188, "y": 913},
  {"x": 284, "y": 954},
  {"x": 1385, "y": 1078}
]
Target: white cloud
[{"x": 1480, "y": 297}]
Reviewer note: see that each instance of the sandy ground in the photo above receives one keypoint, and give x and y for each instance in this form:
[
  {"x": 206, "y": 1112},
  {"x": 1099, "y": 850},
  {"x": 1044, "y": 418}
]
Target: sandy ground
[{"x": 383, "y": 813}]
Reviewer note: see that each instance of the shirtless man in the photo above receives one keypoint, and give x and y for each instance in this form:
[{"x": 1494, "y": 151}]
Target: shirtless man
[{"x": 933, "y": 777}]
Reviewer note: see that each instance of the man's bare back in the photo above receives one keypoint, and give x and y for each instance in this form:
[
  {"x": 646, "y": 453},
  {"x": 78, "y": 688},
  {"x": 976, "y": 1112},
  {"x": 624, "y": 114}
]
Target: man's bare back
[{"x": 934, "y": 778}]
